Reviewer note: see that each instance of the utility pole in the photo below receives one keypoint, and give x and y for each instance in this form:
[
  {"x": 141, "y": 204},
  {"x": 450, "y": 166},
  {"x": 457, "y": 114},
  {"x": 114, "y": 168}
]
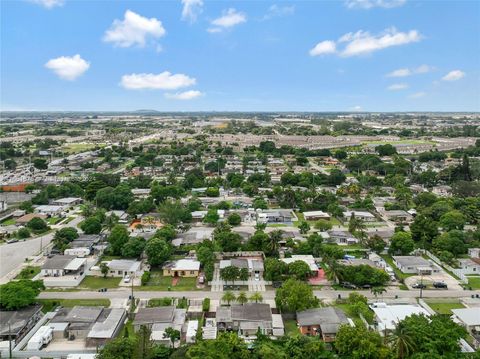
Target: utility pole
[
  {"x": 421, "y": 285},
  {"x": 10, "y": 340}
]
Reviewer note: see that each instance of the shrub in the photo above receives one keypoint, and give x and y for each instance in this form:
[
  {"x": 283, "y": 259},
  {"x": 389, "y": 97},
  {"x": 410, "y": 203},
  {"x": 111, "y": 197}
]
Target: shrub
[
  {"x": 206, "y": 305},
  {"x": 145, "y": 278}
]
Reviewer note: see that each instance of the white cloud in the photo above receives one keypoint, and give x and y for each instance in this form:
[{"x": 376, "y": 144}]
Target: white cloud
[
  {"x": 229, "y": 19},
  {"x": 422, "y": 69},
  {"x": 162, "y": 81},
  {"x": 363, "y": 43},
  {"x": 49, "y": 4},
  {"x": 368, "y": 4},
  {"x": 397, "y": 87},
  {"x": 454, "y": 75},
  {"x": 68, "y": 68},
  {"x": 279, "y": 11},
  {"x": 187, "y": 95},
  {"x": 134, "y": 29},
  {"x": 191, "y": 10},
  {"x": 323, "y": 48},
  {"x": 356, "y": 108},
  {"x": 418, "y": 95}
]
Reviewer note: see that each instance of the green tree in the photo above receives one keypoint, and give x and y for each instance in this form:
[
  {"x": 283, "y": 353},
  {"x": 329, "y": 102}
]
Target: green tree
[
  {"x": 23, "y": 233},
  {"x": 226, "y": 346},
  {"x": 228, "y": 297},
  {"x": 401, "y": 341},
  {"x": 323, "y": 225},
  {"x": 119, "y": 348},
  {"x": 133, "y": 248},
  {"x": 299, "y": 269},
  {"x": 104, "y": 269},
  {"x": 211, "y": 217},
  {"x": 229, "y": 273},
  {"x": 294, "y": 296},
  {"x": 256, "y": 297},
  {"x": 304, "y": 227},
  {"x": 118, "y": 238},
  {"x": 452, "y": 220},
  {"x": 234, "y": 219},
  {"x": 158, "y": 251},
  {"x": 401, "y": 243},
  {"x": 356, "y": 226},
  {"x": 376, "y": 244},
  {"x": 167, "y": 232},
  {"x": 173, "y": 212},
  {"x": 19, "y": 294},
  {"x": 242, "y": 298},
  {"x": 274, "y": 269},
  {"x": 172, "y": 334},
  {"x": 37, "y": 225},
  {"x": 91, "y": 225},
  {"x": 359, "y": 343},
  {"x": 144, "y": 345}
]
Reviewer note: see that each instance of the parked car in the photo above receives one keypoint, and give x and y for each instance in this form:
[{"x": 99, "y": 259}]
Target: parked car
[
  {"x": 419, "y": 286},
  {"x": 126, "y": 279},
  {"x": 440, "y": 285},
  {"x": 348, "y": 285},
  {"x": 257, "y": 276}
]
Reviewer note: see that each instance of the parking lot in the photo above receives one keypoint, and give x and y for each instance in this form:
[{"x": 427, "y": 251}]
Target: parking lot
[{"x": 444, "y": 277}]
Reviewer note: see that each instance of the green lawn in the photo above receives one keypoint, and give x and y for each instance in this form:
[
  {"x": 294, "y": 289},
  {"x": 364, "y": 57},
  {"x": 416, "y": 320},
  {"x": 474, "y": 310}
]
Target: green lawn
[
  {"x": 28, "y": 272},
  {"x": 8, "y": 222},
  {"x": 50, "y": 304},
  {"x": 159, "y": 282},
  {"x": 91, "y": 282},
  {"x": 291, "y": 328},
  {"x": 474, "y": 282},
  {"x": 444, "y": 307},
  {"x": 53, "y": 220}
]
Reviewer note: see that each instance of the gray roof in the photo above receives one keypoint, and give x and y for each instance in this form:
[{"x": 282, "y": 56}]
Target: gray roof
[
  {"x": 17, "y": 319},
  {"x": 411, "y": 261},
  {"x": 106, "y": 328},
  {"x": 154, "y": 315},
  {"x": 252, "y": 312},
  {"x": 329, "y": 318},
  {"x": 58, "y": 262},
  {"x": 84, "y": 314}
]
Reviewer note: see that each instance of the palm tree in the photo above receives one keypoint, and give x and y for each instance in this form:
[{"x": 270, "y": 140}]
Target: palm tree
[
  {"x": 356, "y": 226},
  {"x": 378, "y": 290},
  {"x": 228, "y": 297},
  {"x": 257, "y": 297},
  {"x": 401, "y": 341},
  {"x": 242, "y": 298},
  {"x": 273, "y": 241}
]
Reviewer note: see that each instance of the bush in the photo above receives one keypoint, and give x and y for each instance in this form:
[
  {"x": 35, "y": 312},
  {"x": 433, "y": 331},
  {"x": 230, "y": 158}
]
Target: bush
[
  {"x": 23, "y": 233},
  {"x": 182, "y": 303},
  {"x": 160, "y": 302},
  {"x": 206, "y": 305},
  {"x": 145, "y": 278}
]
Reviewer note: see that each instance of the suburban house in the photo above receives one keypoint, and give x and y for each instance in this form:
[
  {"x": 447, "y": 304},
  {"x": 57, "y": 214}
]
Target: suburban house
[
  {"x": 148, "y": 223},
  {"x": 193, "y": 236},
  {"x": 253, "y": 265},
  {"x": 63, "y": 271},
  {"x": 275, "y": 216},
  {"x": 67, "y": 202},
  {"x": 83, "y": 245},
  {"x": 363, "y": 215},
  {"x": 306, "y": 258},
  {"x": 247, "y": 319},
  {"x": 23, "y": 220},
  {"x": 474, "y": 252},
  {"x": 141, "y": 193},
  {"x": 415, "y": 265},
  {"x": 158, "y": 319},
  {"x": 50, "y": 210},
  {"x": 97, "y": 325},
  {"x": 15, "y": 324},
  {"x": 120, "y": 268},
  {"x": 398, "y": 216},
  {"x": 322, "y": 321},
  {"x": 181, "y": 268},
  {"x": 388, "y": 316},
  {"x": 341, "y": 237},
  {"x": 470, "y": 319},
  {"x": 468, "y": 266},
  {"x": 316, "y": 215}
]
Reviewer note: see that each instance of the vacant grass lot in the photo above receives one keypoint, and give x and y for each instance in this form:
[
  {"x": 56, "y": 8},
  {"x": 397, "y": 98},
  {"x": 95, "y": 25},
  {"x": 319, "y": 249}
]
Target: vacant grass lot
[
  {"x": 444, "y": 307},
  {"x": 474, "y": 282},
  {"x": 291, "y": 328},
  {"x": 50, "y": 304},
  {"x": 28, "y": 272},
  {"x": 91, "y": 282},
  {"x": 159, "y": 282}
]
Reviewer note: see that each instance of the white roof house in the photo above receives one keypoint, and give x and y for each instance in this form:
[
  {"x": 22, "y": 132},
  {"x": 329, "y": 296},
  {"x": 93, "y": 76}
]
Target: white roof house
[
  {"x": 388, "y": 316},
  {"x": 183, "y": 265},
  {"x": 49, "y": 209},
  {"x": 367, "y": 216},
  {"x": 307, "y": 258},
  {"x": 470, "y": 317},
  {"x": 314, "y": 215}
]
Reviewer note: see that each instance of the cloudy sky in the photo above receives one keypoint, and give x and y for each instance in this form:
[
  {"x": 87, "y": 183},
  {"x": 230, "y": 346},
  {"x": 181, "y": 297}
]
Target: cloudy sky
[{"x": 189, "y": 55}]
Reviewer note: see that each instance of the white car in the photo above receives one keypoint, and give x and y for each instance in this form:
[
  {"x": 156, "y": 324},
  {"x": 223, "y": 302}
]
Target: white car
[
  {"x": 257, "y": 276},
  {"x": 126, "y": 279}
]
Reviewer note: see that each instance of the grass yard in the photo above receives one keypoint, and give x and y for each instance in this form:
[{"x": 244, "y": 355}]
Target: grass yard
[
  {"x": 159, "y": 282},
  {"x": 50, "y": 304},
  {"x": 53, "y": 220},
  {"x": 474, "y": 282},
  {"x": 78, "y": 147},
  {"x": 28, "y": 272},
  {"x": 91, "y": 282},
  {"x": 8, "y": 222},
  {"x": 291, "y": 328},
  {"x": 444, "y": 307}
]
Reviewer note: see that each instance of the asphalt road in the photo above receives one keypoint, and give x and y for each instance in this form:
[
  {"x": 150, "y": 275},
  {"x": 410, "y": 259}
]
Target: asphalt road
[
  {"x": 321, "y": 294},
  {"x": 12, "y": 255}
]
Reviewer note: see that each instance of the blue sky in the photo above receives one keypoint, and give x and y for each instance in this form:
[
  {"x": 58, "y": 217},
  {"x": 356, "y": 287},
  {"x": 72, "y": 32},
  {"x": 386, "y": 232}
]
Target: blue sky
[{"x": 194, "y": 55}]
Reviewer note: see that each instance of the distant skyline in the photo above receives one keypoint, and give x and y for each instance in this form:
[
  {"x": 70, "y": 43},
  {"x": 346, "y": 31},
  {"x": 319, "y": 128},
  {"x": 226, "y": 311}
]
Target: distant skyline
[{"x": 199, "y": 55}]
